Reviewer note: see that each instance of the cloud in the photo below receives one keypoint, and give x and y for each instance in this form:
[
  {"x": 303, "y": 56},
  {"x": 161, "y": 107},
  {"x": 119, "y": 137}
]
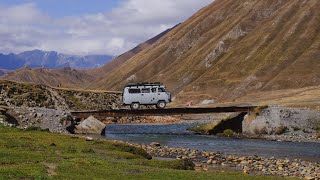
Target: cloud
[{"x": 25, "y": 27}]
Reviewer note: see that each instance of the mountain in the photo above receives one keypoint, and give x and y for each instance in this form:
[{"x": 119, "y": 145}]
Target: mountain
[
  {"x": 230, "y": 49},
  {"x": 72, "y": 78},
  {"x": 3, "y": 72},
  {"x": 51, "y": 60},
  {"x": 10, "y": 61},
  {"x": 65, "y": 77},
  {"x": 104, "y": 70}
]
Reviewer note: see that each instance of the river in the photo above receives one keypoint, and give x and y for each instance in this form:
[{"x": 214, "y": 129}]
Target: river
[{"x": 176, "y": 135}]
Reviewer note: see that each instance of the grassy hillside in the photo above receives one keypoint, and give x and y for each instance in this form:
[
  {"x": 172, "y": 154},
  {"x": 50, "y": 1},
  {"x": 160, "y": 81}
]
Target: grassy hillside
[
  {"x": 232, "y": 48},
  {"x": 42, "y": 155}
]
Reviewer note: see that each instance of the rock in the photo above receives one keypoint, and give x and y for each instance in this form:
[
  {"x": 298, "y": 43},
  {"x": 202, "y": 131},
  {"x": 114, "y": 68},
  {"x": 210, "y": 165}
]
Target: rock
[
  {"x": 224, "y": 164},
  {"x": 209, "y": 161},
  {"x": 211, "y": 157},
  {"x": 89, "y": 139},
  {"x": 155, "y": 144},
  {"x": 90, "y": 126},
  {"x": 277, "y": 120},
  {"x": 40, "y": 115},
  {"x": 309, "y": 178},
  {"x": 198, "y": 165},
  {"x": 214, "y": 162}
]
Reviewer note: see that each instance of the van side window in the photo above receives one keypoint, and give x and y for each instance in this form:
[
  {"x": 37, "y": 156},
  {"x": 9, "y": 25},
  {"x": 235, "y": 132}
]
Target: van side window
[
  {"x": 161, "y": 90},
  {"x": 146, "y": 90},
  {"x": 153, "y": 90},
  {"x": 134, "y": 91}
]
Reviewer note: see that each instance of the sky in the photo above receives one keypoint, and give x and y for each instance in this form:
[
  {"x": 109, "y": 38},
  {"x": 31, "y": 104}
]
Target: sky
[{"x": 83, "y": 27}]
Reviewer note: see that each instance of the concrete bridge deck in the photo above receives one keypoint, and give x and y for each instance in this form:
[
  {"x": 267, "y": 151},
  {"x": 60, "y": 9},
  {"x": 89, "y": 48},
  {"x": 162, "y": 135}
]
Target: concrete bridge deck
[{"x": 160, "y": 112}]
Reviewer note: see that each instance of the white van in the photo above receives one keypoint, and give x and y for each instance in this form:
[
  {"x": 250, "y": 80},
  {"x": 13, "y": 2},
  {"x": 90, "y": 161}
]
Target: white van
[{"x": 137, "y": 94}]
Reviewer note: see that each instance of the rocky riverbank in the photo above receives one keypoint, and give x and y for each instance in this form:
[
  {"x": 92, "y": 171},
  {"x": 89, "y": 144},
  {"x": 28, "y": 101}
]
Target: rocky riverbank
[
  {"x": 271, "y": 123},
  {"x": 248, "y": 164},
  {"x": 26, "y": 105}
]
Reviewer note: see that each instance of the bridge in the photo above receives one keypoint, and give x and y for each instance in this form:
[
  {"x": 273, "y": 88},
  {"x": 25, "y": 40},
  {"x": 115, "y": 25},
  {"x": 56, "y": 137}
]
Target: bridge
[{"x": 160, "y": 112}]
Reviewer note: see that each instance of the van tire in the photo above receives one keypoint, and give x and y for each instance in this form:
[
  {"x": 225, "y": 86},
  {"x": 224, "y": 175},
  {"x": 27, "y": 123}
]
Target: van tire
[
  {"x": 161, "y": 104},
  {"x": 135, "y": 106}
]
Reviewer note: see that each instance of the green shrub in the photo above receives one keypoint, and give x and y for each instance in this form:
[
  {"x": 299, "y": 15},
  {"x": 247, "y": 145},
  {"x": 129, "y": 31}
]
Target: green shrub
[
  {"x": 228, "y": 132},
  {"x": 34, "y": 128},
  {"x": 296, "y": 128}
]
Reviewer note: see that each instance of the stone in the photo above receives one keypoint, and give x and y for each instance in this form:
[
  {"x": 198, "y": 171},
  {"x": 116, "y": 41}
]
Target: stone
[
  {"x": 91, "y": 125},
  {"x": 309, "y": 178},
  {"x": 224, "y": 164},
  {"x": 40, "y": 115},
  {"x": 155, "y": 144},
  {"x": 211, "y": 157},
  {"x": 198, "y": 165},
  {"x": 214, "y": 162},
  {"x": 89, "y": 139}
]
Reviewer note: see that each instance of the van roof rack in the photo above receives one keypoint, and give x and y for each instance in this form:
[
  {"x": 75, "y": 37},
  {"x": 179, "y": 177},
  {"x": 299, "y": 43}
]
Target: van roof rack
[{"x": 144, "y": 84}]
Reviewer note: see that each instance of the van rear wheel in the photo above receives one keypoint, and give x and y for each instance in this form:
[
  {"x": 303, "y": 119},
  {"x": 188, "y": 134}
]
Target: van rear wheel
[
  {"x": 161, "y": 104},
  {"x": 135, "y": 106}
]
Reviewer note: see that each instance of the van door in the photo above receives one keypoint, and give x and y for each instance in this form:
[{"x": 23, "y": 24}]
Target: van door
[
  {"x": 154, "y": 95},
  {"x": 134, "y": 95},
  {"x": 162, "y": 94},
  {"x": 146, "y": 96}
]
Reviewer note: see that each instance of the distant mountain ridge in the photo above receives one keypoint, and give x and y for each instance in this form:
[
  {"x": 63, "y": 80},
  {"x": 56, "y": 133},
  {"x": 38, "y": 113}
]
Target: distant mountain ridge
[
  {"x": 51, "y": 60},
  {"x": 3, "y": 72},
  {"x": 74, "y": 78}
]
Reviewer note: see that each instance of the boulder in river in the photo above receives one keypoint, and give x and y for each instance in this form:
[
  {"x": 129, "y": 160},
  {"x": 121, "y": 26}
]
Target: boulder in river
[
  {"x": 91, "y": 125},
  {"x": 279, "y": 120}
]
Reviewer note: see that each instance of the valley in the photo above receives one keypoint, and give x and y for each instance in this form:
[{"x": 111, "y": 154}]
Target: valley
[{"x": 262, "y": 54}]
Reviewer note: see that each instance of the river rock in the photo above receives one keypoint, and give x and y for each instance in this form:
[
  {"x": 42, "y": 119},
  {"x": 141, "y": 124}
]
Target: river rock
[
  {"x": 155, "y": 144},
  {"x": 91, "y": 125},
  {"x": 309, "y": 178},
  {"x": 89, "y": 139}
]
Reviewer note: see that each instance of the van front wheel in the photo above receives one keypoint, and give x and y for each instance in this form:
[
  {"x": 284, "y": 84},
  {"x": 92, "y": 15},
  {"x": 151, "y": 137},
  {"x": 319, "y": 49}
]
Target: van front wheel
[
  {"x": 135, "y": 106},
  {"x": 161, "y": 104}
]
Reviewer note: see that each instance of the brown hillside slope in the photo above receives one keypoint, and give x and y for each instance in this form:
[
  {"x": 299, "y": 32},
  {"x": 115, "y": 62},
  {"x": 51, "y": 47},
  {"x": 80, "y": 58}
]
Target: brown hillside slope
[
  {"x": 104, "y": 70},
  {"x": 232, "y": 48},
  {"x": 65, "y": 77},
  {"x": 71, "y": 78}
]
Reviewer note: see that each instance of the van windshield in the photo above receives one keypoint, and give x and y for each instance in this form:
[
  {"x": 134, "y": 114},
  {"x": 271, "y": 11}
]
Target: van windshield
[{"x": 161, "y": 90}]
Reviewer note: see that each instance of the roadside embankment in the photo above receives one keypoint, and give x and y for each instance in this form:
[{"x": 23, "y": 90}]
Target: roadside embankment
[{"x": 26, "y": 105}]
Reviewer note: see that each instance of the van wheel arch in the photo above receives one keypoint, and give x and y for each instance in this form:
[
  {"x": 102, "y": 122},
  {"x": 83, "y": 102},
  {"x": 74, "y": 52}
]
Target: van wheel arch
[
  {"x": 135, "y": 105},
  {"x": 161, "y": 104}
]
